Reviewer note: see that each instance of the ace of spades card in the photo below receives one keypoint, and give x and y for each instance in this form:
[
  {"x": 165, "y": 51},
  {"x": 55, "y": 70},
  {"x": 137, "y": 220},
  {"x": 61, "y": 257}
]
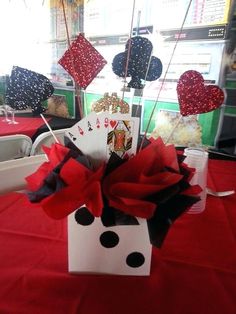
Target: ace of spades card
[{"x": 122, "y": 136}]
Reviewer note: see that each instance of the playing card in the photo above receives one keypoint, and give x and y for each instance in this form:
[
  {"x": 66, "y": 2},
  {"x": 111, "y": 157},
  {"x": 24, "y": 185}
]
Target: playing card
[
  {"x": 97, "y": 137},
  {"x": 89, "y": 135},
  {"x": 122, "y": 136},
  {"x": 78, "y": 135}
]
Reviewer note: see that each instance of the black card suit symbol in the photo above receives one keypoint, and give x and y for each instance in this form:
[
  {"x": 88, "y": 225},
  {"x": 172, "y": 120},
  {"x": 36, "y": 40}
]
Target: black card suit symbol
[
  {"x": 27, "y": 88},
  {"x": 109, "y": 239},
  {"x": 83, "y": 216},
  {"x": 135, "y": 259},
  {"x": 72, "y": 136},
  {"x": 89, "y": 127},
  {"x": 141, "y": 64}
]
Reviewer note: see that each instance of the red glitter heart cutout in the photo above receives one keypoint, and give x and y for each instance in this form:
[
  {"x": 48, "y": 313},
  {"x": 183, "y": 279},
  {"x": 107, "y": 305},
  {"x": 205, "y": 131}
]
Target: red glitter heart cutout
[{"x": 194, "y": 97}]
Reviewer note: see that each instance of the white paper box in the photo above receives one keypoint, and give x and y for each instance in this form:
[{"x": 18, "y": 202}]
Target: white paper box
[{"x": 119, "y": 250}]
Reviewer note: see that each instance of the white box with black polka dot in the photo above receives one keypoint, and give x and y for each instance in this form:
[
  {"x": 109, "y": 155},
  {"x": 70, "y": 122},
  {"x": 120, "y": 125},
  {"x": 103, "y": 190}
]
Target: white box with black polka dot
[{"x": 118, "y": 250}]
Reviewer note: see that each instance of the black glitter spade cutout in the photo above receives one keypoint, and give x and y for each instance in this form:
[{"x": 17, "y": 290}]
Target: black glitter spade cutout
[
  {"x": 135, "y": 259},
  {"x": 84, "y": 217},
  {"x": 27, "y": 89},
  {"x": 109, "y": 239},
  {"x": 141, "y": 66}
]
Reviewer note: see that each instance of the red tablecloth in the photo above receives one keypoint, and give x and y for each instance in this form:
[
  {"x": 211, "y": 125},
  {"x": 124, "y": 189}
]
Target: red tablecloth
[
  {"x": 26, "y": 126},
  {"x": 193, "y": 273}
]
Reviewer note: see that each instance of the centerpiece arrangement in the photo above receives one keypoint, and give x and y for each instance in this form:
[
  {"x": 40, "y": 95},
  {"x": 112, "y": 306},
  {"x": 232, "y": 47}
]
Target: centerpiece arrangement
[
  {"x": 130, "y": 199},
  {"x": 121, "y": 191}
]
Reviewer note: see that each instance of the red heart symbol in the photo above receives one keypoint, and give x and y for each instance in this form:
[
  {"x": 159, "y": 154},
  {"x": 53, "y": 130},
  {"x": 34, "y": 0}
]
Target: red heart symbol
[
  {"x": 195, "y": 97},
  {"x": 113, "y": 123}
]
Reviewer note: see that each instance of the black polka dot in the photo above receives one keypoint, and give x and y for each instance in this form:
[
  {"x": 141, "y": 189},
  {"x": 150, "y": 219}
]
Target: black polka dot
[
  {"x": 135, "y": 259},
  {"x": 83, "y": 216},
  {"x": 109, "y": 239}
]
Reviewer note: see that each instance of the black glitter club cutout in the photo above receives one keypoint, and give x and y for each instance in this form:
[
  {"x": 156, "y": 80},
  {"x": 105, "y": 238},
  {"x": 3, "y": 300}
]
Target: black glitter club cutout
[{"x": 141, "y": 66}]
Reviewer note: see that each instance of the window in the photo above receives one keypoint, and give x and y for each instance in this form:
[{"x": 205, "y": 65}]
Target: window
[{"x": 24, "y": 35}]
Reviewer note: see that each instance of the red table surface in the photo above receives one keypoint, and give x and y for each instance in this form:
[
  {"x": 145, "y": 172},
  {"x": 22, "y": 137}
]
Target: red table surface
[
  {"x": 26, "y": 126},
  {"x": 193, "y": 273}
]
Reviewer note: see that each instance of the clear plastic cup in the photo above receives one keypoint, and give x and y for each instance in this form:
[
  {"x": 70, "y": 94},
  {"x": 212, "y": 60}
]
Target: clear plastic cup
[{"x": 198, "y": 158}]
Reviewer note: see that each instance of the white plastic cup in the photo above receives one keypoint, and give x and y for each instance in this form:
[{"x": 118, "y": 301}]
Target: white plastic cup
[{"x": 198, "y": 158}]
